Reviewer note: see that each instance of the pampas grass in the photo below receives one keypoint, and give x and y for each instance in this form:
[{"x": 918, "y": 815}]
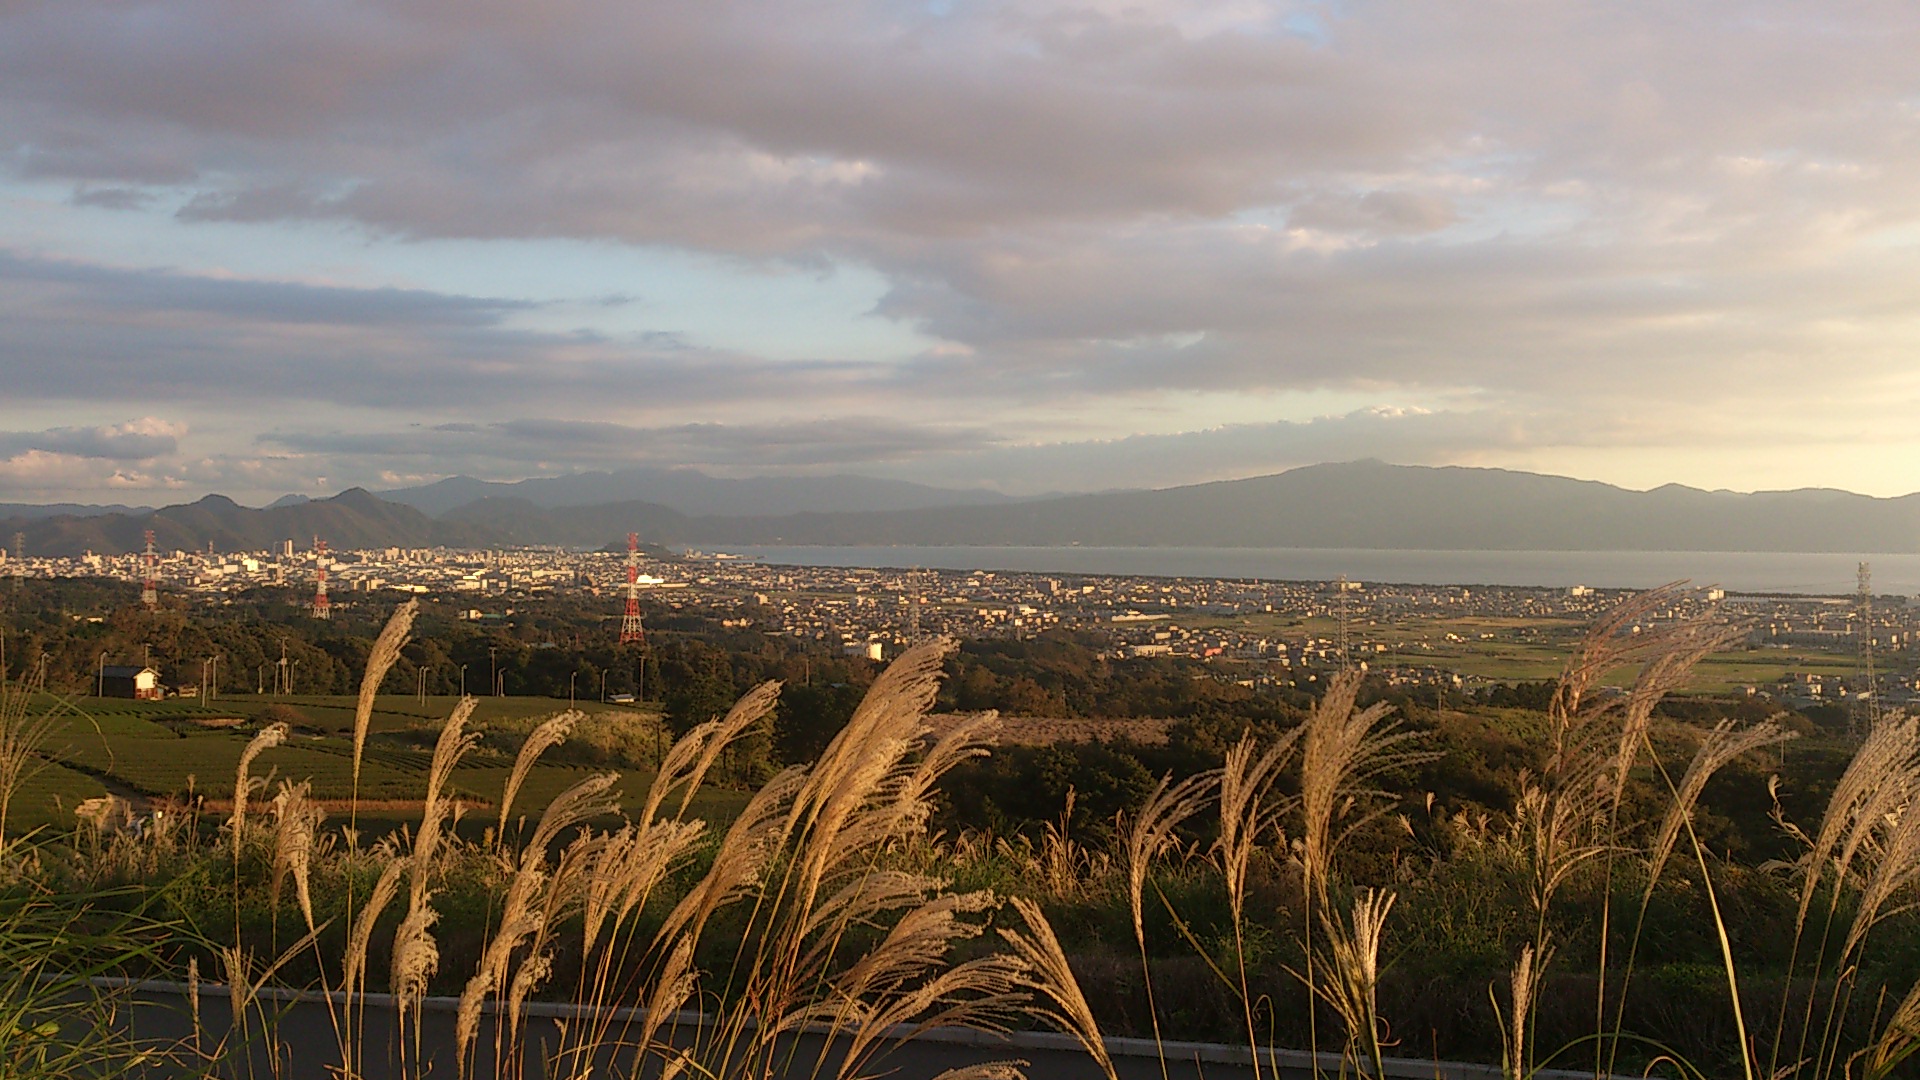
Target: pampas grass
[
  {"x": 1050, "y": 978},
  {"x": 295, "y": 836},
  {"x": 548, "y": 734},
  {"x": 386, "y": 650},
  {"x": 243, "y": 785},
  {"x": 22, "y": 733}
]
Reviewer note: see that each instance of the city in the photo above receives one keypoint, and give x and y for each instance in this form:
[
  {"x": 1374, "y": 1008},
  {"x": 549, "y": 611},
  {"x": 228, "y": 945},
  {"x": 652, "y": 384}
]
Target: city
[{"x": 1259, "y": 633}]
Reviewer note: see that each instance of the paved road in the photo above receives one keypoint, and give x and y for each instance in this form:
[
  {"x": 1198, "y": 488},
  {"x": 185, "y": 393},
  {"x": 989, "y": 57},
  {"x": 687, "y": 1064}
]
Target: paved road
[{"x": 304, "y": 1043}]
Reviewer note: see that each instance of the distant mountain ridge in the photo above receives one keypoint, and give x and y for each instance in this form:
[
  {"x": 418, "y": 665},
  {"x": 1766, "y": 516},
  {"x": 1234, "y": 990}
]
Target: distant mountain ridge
[
  {"x": 29, "y": 511},
  {"x": 1371, "y": 504},
  {"x": 1364, "y": 504},
  {"x": 351, "y": 519},
  {"x": 692, "y": 492}
]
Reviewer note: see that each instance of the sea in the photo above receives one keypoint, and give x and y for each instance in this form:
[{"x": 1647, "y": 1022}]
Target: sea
[{"x": 1809, "y": 573}]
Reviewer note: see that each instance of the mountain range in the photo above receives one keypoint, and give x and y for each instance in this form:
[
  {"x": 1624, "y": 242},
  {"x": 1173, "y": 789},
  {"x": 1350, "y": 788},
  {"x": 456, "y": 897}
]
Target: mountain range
[
  {"x": 1364, "y": 504},
  {"x": 693, "y": 492}
]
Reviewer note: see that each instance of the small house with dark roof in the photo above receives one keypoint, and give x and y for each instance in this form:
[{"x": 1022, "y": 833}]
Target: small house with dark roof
[{"x": 138, "y": 683}]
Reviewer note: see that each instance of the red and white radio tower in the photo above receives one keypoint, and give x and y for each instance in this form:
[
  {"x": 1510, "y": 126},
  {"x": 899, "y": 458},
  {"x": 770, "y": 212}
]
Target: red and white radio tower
[
  {"x": 630, "y": 629},
  {"x": 150, "y": 588},
  {"x": 322, "y": 607}
]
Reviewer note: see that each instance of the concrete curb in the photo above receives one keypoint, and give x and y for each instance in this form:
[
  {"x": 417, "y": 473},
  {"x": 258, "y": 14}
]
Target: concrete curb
[{"x": 1207, "y": 1053}]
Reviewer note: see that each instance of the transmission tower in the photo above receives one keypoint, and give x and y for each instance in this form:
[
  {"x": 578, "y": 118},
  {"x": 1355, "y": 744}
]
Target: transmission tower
[
  {"x": 1866, "y": 695},
  {"x": 631, "y": 632},
  {"x": 1340, "y": 640},
  {"x": 150, "y": 587},
  {"x": 914, "y": 601},
  {"x": 322, "y": 607}
]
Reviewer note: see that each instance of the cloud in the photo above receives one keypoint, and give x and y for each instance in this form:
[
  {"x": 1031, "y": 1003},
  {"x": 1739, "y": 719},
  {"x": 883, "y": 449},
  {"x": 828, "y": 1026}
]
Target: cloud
[
  {"x": 134, "y": 441},
  {"x": 113, "y": 290},
  {"x": 1616, "y": 221},
  {"x": 110, "y": 198}
]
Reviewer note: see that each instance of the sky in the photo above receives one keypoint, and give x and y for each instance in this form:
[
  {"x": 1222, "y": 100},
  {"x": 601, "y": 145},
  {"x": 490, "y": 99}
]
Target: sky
[{"x": 1033, "y": 245}]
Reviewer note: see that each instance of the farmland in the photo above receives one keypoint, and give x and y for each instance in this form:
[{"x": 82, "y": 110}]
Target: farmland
[{"x": 178, "y": 751}]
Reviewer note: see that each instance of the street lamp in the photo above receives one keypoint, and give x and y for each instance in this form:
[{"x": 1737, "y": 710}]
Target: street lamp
[
  {"x": 570, "y": 679},
  {"x": 463, "y": 680},
  {"x": 494, "y": 662},
  {"x": 100, "y": 689}
]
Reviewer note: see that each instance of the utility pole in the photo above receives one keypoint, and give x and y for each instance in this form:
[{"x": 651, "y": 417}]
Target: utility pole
[{"x": 494, "y": 660}]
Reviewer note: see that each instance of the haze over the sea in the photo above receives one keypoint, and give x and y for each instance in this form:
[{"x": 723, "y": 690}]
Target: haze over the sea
[{"x": 1818, "y": 574}]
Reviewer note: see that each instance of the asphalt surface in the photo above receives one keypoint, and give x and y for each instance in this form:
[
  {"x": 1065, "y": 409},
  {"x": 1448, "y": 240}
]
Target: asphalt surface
[{"x": 296, "y": 1040}]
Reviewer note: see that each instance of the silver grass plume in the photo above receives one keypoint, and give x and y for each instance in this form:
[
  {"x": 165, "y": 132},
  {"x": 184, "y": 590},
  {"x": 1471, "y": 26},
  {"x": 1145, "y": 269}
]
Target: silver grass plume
[
  {"x": 523, "y": 915},
  {"x": 1516, "y": 1051},
  {"x": 268, "y": 737},
  {"x": 743, "y": 852},
  {"x": 448, "y": 749},
  {"x": 694, "y": 753},
  {"x": 533, "y": 974},
  {"x": 548, "y": 734},
  {"x": 858, "y": 793},
  {"x": 416, "y": 957},
  {"x": 634, "y": 860},
  {"x": 1898, "y": 1039},
  {"x": 1247, "y": 810},
  {"x": 1354, "y": 952},
  {"x": 1883, "y": 776},
  {"x": 360, "y": 935},
  {"x": 1722, "y": 746},
  {"x": 1341, "y": 749},
  {"x": 386, "y": 650},
  {"x": 296, "y": 823},
  {"x": 1050, "y": 977},
  {"x": 673, "y": 985},
  {"x": 1151, "y": 832}
]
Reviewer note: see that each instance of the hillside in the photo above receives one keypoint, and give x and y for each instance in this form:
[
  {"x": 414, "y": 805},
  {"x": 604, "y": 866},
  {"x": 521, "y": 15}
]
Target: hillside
[
  {"x": 1366, "y": 504},
  {"x": 1370, "y": 504},
  {"x": 352, "y": 519},
  {"x": 691, "y": 492}
]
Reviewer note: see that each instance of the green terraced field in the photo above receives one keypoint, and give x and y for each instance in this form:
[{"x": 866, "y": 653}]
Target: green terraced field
[{"x": 180, "y": 749}]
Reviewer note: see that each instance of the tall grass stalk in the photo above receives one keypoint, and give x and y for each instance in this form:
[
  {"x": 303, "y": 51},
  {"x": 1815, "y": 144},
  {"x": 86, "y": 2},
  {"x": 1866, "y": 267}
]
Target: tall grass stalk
[
  {"x": 23, "y": 732},
  {"x": 1150, "y": 833}
]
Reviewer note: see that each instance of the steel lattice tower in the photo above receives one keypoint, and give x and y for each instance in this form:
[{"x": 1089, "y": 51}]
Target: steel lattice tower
[
  {"x": 631, "y": 632},
  {"x": 322, "y": 607},
  {"x": 914, "y": 589},
  {"x": 150, "y": 587},
  {"x": 1341, "y": 643},
  {"x": 1866, "y": 696}
]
